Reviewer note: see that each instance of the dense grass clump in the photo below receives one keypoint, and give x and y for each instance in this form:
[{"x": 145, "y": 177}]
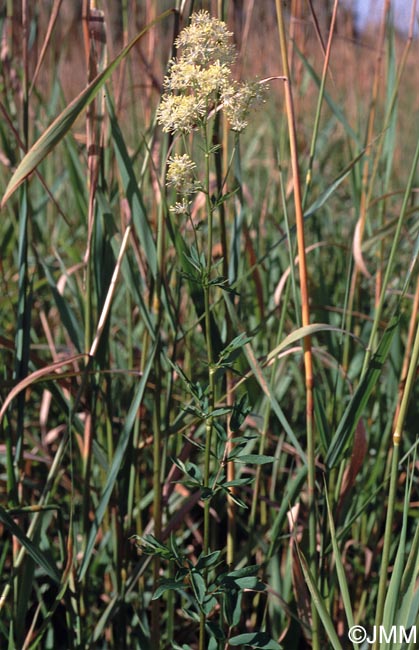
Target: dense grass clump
[{"x": 208, "y": 328}]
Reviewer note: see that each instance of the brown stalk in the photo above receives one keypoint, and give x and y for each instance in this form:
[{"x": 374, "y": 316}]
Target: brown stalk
[
  {"x": 305, "y": 309},
  {"x": 51, "y": 23},
  {"x": 95, "y": 50}
]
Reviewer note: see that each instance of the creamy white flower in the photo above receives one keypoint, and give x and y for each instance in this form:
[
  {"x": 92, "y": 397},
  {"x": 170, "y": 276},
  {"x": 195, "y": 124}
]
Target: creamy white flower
[
  {"x": 180, "y": 113},
  {"x": 181, "y": 208},
  {"x": 181, "y": 174},
  {"x": 237, "y": 100},
  {"x": 206, "y": 40}
]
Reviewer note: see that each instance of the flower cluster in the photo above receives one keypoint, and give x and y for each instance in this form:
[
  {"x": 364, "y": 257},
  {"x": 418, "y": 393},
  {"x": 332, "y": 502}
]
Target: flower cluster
[
  {"x": 206, "y": 40},
  {"x": 200, "y": 80},
  {"x": 238, "y": 99},
  {"x": 181, "y": 174}
]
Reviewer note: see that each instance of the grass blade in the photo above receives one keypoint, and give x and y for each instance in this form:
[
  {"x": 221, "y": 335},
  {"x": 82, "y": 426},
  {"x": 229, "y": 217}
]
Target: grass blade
[
  {"x": 355, "y": 408},
  {"x": 118, "y": 457},
  {"x": 318, "y": 601},
  {"x": 62, "y": 124},
  {"x": 36, "y": 554}
]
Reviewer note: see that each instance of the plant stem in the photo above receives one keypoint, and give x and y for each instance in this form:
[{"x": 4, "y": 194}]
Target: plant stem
[
  {"x": 210, "y": 360},
  {"x": 305, "y": 314},
  {"x": 410, "y": 380}
]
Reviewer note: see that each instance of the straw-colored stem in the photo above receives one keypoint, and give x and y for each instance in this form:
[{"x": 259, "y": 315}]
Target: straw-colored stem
[
  {"x": 319, "y": 105},
  {"x": 305, "y": 314},
  {"x": 408, "y": 348}
]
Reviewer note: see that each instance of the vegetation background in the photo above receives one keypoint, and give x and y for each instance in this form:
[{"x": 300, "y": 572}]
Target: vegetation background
[{"x": 208, "y": 424}]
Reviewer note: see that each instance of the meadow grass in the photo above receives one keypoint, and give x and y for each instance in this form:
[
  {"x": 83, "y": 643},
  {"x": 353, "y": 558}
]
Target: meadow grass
[{"x": 208, "y": 328}]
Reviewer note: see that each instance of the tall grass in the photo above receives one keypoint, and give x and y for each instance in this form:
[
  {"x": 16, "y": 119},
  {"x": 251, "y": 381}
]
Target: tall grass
[{"x": 208, "y": 423}]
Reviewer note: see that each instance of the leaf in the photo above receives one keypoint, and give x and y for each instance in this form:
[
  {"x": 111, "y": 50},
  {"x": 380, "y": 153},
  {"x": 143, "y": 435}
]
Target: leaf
[
  {"x": 36, "y": 554},
  {"x": 318, "y": 602},
  {"x": 206, "y": 561},
  {"x": 116, "y": 464},
  {"x": 332, "y": 105},
  {"x": 232, "y": 610},
  {"x": 38, "y": 375},
  {"x": 67, "y": 315},
  {"x": 393, "y": 591},
  {"x": 132, "y": 192},
  {"x": 359, "y": 399},
  {"x": 318, "y": 203},
  {"x": 340, "y": 570},
  {"x": 303, "y": 332},
  {"x": 409, "y": 603},
  {"x": 321, "y": 420},
  {"x": 238, "y": 482},
  {"x": 167, "y": 585},
  {"x": 255, "y": 640},
  {"x": 62, "y": 124},
  {"x": 255, "y": 459},
  {"x": 240, "y": 410},
  {"x": 261, "y": 379},
  {"x": 198, "y": 583}
]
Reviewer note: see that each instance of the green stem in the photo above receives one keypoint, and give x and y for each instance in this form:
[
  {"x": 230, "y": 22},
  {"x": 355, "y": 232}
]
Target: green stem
[
  {"x": 392, "y": 257},
  {"x": 410, "y": 380},
  {"x": 211, "y": 378},
  {"x": 157, "y": 435}
]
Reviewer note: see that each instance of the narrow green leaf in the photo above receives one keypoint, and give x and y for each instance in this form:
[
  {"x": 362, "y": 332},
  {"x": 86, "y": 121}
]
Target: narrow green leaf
[
  {"x": 198, "y": 583},
  {"x": 36, "y": 554},
  {"x": 393, "y": 592},
  {"x": 250, "y": 570},
  {"x": 318, "y": 601},
  {"x": 292, "y": 493},
  {"x": 303, "y": 332},
  {"x": 255, "y": 640},
  {"x": 359, "y": 399},
  {"x": 409, "y": 603},
  {"x": 321, "y": 421},
  {"x": 260, "y": 378},
  {"x": 62, "y": 124},
  {"x": 340, "y": 570},
  {"x": 255, "y": 459},
  {"x": 116, "y": 464},
  {"x": 318, "y": 203},
  {"x": 68, "y": 317},
  {"x": 332, "y": 105},
  {"x": 132, "y": 191}
]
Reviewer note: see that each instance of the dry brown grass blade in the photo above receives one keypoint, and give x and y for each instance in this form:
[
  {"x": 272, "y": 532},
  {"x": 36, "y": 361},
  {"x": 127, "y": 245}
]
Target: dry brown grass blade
[
  {"x": 317, "y": 26},
  {"x": 256, "y": 271},
  {"x": 95, "y": 46},
  {"x": 36, "y": 376},
  {"x": 359, "y": 451},
  {"x": 47, "y": 40},
  {"x": 370, "y": 133},
  {"x": 301, "y": 593}
]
